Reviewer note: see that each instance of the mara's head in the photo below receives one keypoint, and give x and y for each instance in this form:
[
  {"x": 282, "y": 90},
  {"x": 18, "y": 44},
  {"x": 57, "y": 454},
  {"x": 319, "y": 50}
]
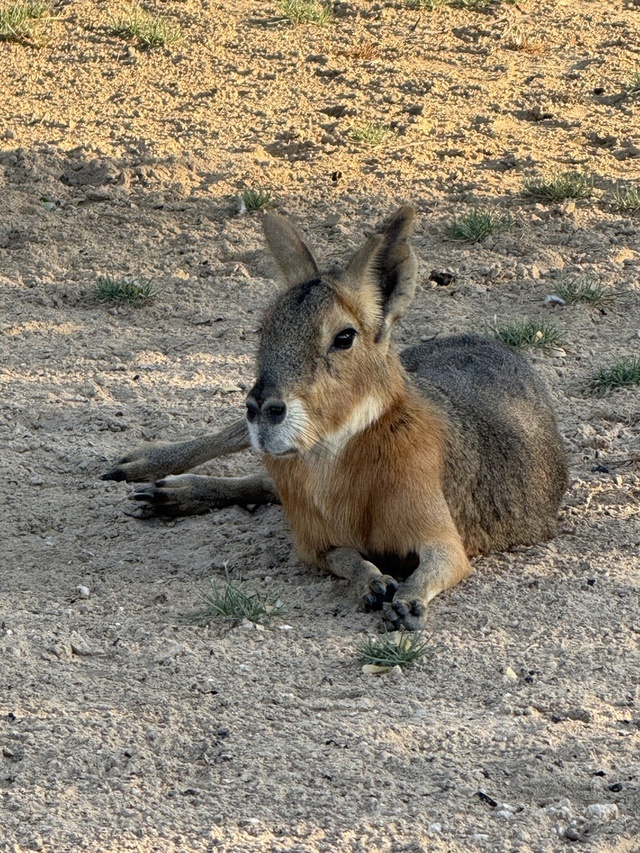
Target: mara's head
[{"x": 324, "y": 369}]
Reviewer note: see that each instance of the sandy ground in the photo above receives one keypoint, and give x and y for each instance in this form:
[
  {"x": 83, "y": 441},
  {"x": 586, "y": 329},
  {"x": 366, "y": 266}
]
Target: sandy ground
[{"x": 122, "y": 726}]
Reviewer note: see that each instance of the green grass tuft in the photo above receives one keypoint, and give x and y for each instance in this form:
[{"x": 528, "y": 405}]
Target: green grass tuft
[
  {"x": 431, "y": 5},
  {"x": 124, "y": 290},
  {"x": 427, "y": 5},
  {"x": 528, "y": 333},
  {"x": 393, "y": 649},
  {"x": 584, "y": 289},
  {"x": 369, "y": 133},
  {"x": 567, "y": 185},
  {"x": 306, "y": 12},
  {"x": 256, "y": 200},
  {"x": 232, "y": 603},
  {"x": 19, "y": 22},
  {"x": 147, "y": 30},
  {"x": 634, "y": 84},
  {"x": 471, "y": 4},
  {"x": 621, "y": 374},
  {"x": 476, "y": 225},
  {"x": 626, "y": 198}
]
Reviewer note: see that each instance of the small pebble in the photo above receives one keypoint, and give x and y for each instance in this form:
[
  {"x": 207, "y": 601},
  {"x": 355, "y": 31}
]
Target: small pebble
[
  {"x": 503, "y": 814},
  {"x": 83, "y": 591},
  {"x": 395, "y": 673},
  {"x": 553, "y": 299},
  {"x": 602, "y": 811}
]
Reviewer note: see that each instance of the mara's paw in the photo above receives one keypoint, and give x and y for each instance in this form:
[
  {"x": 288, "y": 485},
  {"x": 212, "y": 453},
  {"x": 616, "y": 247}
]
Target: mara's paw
[
  {"x": 172, "y": 497},
  {"x": 380, "y": 589},
  {"x": 143, "y": 464},
  {"x": 409, "y": 614}
]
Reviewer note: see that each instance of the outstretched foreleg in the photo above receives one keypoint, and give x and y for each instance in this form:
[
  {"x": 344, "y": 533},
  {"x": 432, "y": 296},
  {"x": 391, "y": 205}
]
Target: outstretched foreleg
[{"x": 155, "y": 460}]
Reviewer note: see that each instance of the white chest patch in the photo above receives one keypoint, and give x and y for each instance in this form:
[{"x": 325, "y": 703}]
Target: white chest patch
[{"x": 365, "y": 413}]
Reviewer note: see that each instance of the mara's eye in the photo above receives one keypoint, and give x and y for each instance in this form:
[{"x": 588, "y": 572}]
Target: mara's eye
[{"x": 344, "y": 339}]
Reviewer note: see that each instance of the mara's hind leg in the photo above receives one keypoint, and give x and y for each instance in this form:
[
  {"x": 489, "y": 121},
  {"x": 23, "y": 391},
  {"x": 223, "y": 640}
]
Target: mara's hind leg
[
  {"x": 155, "y": 460},
  {"x": 443, "y": 564},
  {"x": 191, "y": 494}
]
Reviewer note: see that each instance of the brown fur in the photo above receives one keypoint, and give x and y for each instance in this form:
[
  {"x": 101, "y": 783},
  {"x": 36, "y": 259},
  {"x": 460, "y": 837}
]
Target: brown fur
[{"x": 387, "y": 471}]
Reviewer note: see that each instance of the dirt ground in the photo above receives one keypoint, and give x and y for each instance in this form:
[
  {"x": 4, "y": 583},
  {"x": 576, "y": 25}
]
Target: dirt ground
[{"x": 123, "y": 727}]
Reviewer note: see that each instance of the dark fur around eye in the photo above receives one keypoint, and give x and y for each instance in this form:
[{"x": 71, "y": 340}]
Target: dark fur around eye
[{"x": 344, "y": 339}]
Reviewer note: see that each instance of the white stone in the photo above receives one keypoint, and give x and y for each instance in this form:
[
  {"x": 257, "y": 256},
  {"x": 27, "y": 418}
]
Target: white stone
[{"x": 602, "y": 811}]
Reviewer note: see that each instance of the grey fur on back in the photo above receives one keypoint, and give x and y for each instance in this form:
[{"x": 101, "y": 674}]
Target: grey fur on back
[{"x": 505, "y": 465}]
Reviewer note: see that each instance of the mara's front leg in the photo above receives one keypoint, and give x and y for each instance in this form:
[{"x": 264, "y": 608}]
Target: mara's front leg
[
  {"x": 372, "y": 587},
  {"x": 158, "y": 459},
  {"x": 443, "y": 564}
]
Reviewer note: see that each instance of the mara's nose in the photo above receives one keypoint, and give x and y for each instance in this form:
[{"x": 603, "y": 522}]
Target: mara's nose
[{"x": 274, "y": 411}]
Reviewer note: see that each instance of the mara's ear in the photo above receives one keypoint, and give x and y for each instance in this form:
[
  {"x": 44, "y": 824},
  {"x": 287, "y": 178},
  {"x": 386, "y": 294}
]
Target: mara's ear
[
  {"x": 388, "y": 260},
  {"x": 294, "y": 260}
]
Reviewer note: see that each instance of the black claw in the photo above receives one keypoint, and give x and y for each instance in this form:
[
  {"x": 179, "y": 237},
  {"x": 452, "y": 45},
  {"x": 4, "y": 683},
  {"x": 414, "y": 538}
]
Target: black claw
[
  {"x": 151, "y": 496},
  {"x": 372, "y": 602},
  {"x": 137, "y": 496},
  {"x": 392, "y": 588},
  {"x": 117, "y": 474}
]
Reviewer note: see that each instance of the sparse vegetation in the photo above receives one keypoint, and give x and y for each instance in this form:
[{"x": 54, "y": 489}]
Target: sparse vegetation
[
  {"x": 626, "y": 198},
  {"x": 145, "y": 29},
  {"x": 634, "y": 85},
  {"x": 471, "y": 4},
  {"x": 476, "y": 225},
  {"x": 232, "y": 603},
  {"x": 392, "y": 650},
  {"x": 364, "y": 51},
  {"x": 528, "y": 333},
  {"x": 427, "y": 5},
  {"x": 19, "y": 22},
  {"x": 256, "y": 200},
  {"x": 584, "y": 289},
  {"x": 431, "y": 5},
  {"x": 564, "y": 186},
  {"x": 306, "y": 12},
  {"x": 369, "y": 133},
  {"x": 131, "y": 290},
  {"x": 621, "y": 374},
  {"x": 515, "y": 38}
]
